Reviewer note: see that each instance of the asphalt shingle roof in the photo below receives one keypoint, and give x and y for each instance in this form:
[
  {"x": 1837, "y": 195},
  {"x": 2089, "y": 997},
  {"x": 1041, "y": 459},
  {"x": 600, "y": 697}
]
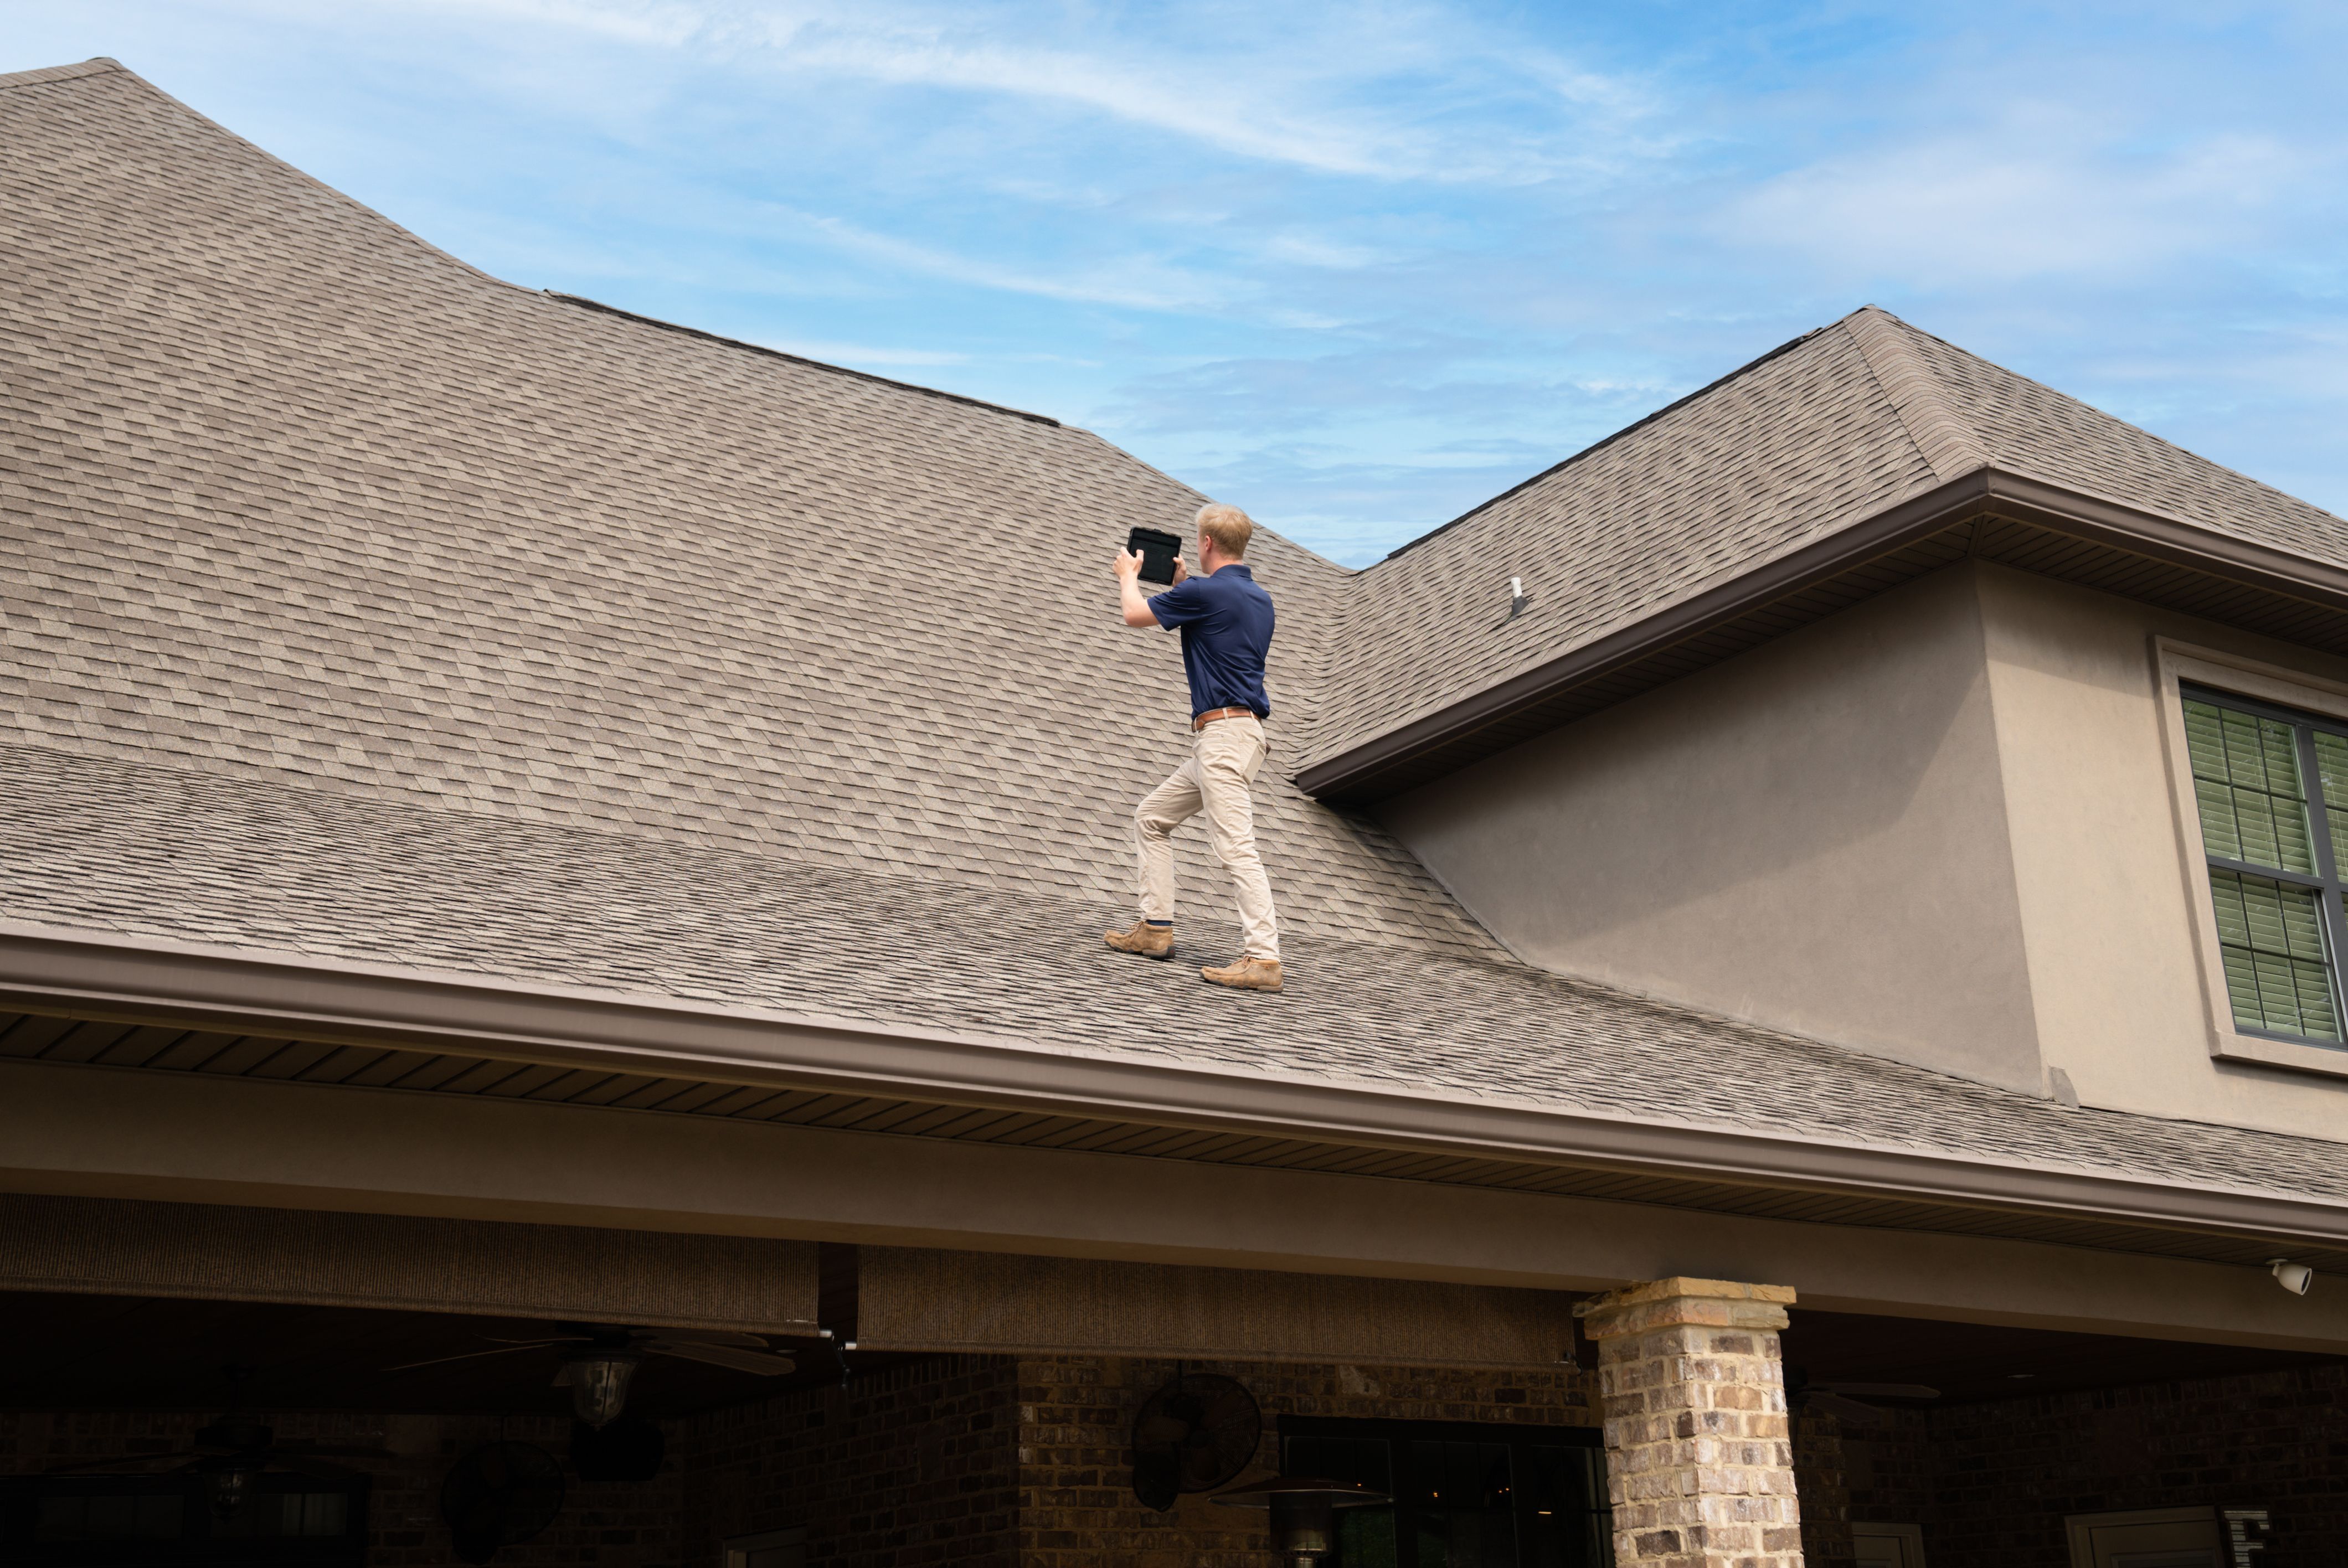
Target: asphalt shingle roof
[
  {"x": 288, "y": 491},
  {"x": 357, "y": 604},
  {"x": 336, "y": 876},
  {"x": 1818, "y": 436}
]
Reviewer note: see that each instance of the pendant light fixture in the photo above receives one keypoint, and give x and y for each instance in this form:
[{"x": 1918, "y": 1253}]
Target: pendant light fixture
[
  {"x": 599, "y": 1383},
  {"x": 1303, "y": 1511}
]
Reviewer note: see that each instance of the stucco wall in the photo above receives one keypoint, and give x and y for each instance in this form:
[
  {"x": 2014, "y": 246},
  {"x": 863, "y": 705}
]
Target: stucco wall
[
  {"x": 1812, "y": 836},
  {"x": 1938, "y": 826},
  {"x": 2107, "y": 915}
]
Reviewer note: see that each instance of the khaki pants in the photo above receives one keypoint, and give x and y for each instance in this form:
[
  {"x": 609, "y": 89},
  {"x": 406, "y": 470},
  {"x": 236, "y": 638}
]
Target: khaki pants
[{"x": 1224, "y": 757}]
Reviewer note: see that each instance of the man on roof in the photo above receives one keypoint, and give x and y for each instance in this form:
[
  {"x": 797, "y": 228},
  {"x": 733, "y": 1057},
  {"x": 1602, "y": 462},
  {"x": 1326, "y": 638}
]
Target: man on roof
[{"x": 1225, "y": 619}]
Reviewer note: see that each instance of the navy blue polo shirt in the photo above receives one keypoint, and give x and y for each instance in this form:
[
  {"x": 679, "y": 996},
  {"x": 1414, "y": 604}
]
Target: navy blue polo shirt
[{"x": 1226, "y": 622}]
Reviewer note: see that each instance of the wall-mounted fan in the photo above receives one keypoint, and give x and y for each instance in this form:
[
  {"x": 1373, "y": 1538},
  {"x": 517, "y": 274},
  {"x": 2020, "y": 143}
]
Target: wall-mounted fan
[
  {"x": 598, "y": 1358},
  {"x": 1847, "y": 1401},
  {"x": 499, "y": 1495},
  {"x": 1192, "y": 1435}
]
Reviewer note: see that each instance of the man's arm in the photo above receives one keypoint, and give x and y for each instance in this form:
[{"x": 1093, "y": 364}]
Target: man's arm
[{"x": 1133, "y": 602}]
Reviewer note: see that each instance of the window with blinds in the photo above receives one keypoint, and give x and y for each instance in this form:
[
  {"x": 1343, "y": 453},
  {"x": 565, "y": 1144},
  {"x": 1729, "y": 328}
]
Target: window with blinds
[{"x": 2271, "y": 785}]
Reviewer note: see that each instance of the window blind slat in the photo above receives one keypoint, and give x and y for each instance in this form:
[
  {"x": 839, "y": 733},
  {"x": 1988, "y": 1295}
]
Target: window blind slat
[{"x": 2253, "y": 800}]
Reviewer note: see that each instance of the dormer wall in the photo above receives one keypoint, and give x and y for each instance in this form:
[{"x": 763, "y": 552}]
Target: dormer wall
[
  {"x": 1943, "y": 826},
  {"x": 1811, "y": 837}
]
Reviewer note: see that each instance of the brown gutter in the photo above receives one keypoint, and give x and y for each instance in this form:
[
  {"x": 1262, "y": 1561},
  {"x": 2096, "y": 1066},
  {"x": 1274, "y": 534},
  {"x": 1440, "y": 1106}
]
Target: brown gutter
[
  {"x": 1905, "y": 522},
  {"x": 133, "y": 979},
  {"x": 2144, "y": 532}
]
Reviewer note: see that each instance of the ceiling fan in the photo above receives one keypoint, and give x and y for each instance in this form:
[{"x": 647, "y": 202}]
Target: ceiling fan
[
  {"x": 598, "y": 1358},
  {"x": 229, "y": 1452},
  {"x": 1847, "y": 1401}
]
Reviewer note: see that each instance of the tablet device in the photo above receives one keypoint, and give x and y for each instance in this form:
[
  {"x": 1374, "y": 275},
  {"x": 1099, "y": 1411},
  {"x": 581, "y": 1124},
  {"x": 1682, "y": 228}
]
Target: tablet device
[{"x": 1158, "y": 551}]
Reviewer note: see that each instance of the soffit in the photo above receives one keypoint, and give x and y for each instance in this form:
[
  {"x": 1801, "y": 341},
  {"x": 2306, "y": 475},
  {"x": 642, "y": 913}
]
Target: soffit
[{"x": 100, "y": 1044}]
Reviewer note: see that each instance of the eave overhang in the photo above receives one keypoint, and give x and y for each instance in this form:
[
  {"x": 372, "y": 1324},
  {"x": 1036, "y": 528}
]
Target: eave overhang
[
  {"x": 1988, "y": 513},
  {"x": 106, "y": 975}
]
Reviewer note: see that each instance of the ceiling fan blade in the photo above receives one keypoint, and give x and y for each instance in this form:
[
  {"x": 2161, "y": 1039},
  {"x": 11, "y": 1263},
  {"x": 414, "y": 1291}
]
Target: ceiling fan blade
[
  {"x": 305, "y": 1465},
  {"x": 339, "y": 1451},
  {"x": 476, "y": 1355},
  {"x": 128, "y": 1465},
  {"x": 549, "y": 1339},
  {"x": 759, "y": 1363},
  {"x": 1881, "y": 1391},
  {"x": 705, "y": 1337},
  {"x": 1847, "y": 1409}
]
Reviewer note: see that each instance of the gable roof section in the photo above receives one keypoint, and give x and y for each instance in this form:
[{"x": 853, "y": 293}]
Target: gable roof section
[
  {"x": 1793, "y": 446},
  {"x": 1849, "y": 460}
]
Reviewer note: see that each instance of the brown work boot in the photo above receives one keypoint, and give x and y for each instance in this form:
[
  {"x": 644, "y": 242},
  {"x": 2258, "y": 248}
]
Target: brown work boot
[
  {"x": 1150, "y": 941},
  {"x": 1246, "y": 974}
]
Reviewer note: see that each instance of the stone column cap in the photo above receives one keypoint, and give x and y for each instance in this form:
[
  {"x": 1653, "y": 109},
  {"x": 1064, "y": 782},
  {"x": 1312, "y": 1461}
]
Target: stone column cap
[{"x": 1668, "y": 1303}]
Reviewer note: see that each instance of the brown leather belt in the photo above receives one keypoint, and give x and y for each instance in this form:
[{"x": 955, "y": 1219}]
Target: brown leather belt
[{"x": 1212, "y": 714}]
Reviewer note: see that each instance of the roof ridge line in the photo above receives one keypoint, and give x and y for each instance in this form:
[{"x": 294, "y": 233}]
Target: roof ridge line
[
  {"x": 97, "y": 64},
  {"x": 1603, "y": 442},
  {"x": 583, "y": 301},
  {"x": 1949, "y": 445}
]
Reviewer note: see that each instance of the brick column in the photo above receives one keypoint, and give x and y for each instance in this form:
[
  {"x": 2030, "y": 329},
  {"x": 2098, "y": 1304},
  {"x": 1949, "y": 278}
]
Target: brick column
[{"x": 1698, "y": 1460}]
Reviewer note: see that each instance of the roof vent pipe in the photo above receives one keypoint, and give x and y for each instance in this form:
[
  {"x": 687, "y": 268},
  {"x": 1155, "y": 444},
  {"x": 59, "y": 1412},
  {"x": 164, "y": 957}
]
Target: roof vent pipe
[{"x": 1516, "y": 597}]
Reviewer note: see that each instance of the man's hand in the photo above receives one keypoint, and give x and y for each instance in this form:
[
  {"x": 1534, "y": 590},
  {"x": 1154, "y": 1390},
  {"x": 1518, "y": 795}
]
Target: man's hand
[
  {"x": 1180, "y": 571},
  {"x": 1133, "y": 606}
]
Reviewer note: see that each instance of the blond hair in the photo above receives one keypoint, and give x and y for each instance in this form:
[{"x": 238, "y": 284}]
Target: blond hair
[{"x": 1228, "y": 526}]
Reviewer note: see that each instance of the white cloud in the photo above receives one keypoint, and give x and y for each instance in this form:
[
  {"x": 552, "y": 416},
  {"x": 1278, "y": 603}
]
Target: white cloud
[
  {"x": 1137, "y": 282},
  {"x": 1313, "y": 94},
  {"x": 2042, "y": 193}
]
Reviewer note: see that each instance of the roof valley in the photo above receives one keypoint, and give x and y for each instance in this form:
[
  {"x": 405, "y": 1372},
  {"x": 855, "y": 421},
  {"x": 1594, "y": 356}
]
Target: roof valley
[{"x": 1949, "y": 444}]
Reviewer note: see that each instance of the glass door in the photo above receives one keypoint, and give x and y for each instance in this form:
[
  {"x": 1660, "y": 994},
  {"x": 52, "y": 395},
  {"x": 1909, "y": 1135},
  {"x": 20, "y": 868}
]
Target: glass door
[{"x": 1466, "y": 1496}]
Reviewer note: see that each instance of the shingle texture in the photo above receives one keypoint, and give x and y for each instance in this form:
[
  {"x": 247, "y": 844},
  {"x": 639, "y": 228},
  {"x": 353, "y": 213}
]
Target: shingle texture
[
  {"x": 357, "y": 604},
  {"x": 1830, "y": 430},
  {"x": 237, "y": 862},
  {"x": 1790, "y": 450},
  {"x": 287, "y": 491}
]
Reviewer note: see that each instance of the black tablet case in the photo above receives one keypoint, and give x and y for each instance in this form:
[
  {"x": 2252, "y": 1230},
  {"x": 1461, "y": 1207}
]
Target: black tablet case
[{"x": 1158, "y": 552}]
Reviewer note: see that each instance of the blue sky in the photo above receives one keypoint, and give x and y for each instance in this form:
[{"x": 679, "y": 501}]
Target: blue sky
[{"x": 1353, "y": 267}]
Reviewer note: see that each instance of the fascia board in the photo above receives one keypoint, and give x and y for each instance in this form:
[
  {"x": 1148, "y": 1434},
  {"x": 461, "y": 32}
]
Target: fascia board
[
  {"x": 2105, "y": 519},
  {"x": 109, "y": 976},
  {"x": 2064, "y": 508}
]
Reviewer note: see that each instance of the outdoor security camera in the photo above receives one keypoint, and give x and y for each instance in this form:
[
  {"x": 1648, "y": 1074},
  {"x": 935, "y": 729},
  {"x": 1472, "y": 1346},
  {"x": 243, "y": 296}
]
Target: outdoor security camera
[{"x": 2295, "y": 1277}]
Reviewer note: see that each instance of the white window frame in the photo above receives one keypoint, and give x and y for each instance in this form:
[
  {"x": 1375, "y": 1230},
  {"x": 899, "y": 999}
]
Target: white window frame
[{"x": 2179, "y": 664}]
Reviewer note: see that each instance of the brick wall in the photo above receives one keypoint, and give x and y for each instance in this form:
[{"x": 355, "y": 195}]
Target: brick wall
[
  {"x": 1990, "y": 1483},
  {"x": 1821, "y": 1476},
  {"x": 997, "y": 1463},
  {"x": 907, "y": 1466},
  {"x": 1076, "y": 1507},
  {"x": 611, "y": 1525}
]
